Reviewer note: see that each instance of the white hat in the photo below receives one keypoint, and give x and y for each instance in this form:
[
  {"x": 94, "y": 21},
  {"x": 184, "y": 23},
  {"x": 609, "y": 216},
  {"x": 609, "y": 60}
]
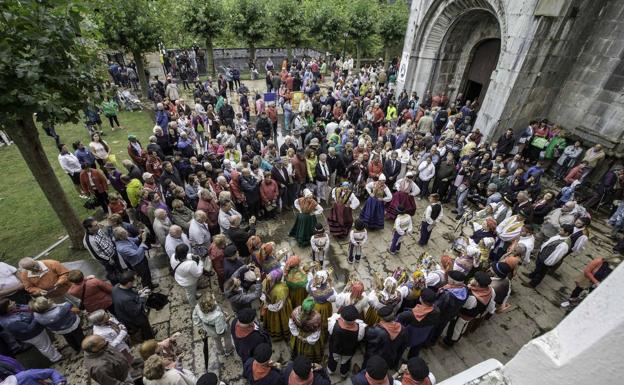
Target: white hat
[
  {"x": 432, "y": 279},
  {"x": 307, "y": 193},
  {"x": 409, "y": 173},
  {"x": 382, "y": 177},
  {"x": 147, "y": 175}
]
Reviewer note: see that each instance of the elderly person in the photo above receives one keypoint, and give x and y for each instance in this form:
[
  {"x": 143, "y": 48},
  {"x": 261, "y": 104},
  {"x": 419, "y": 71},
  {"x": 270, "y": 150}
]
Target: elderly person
[
  {"x": 46, "y": 277},
  {"x": 181, "y": 215},
  {"x": 210, "y": 319},
  {"x": 105, "y": 365},
  {"x": 216, "y": 253},
  {"x": 93, "y": 293},
  {"x": 155, "y": 373},
  {"x": 176, "y": 237},
  {"x": 186, "y": 271},
  {"x": 59, "y": 319},
  {"x": 132, "y": 250},
  {"x": 226, "y": 212},
  {"x": 161, "y": 225},
  {"x": 10, "y": 285},
  {"x": 199, "y": 234},
  {"x": 20, "y": 322},
  {"x": 113, "y": 331},
  {"x": 239, "y": 236},
  {"x": 102, "y": 249},
  {"x": 209, "y": 205}
]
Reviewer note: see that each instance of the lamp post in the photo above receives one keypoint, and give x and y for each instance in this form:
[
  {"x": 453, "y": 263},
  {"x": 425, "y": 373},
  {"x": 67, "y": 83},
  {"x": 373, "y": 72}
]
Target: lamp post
[{"x": 344, "y": 47}]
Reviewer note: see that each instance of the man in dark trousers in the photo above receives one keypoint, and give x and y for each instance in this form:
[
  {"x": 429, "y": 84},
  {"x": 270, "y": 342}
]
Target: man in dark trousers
[
  {"x": 376, "y": 372},
  {"x": 239, "y": 236},
  {"x": 345, "y": 331},
  {"x": 260, "y": 370},
  {"x": 247, "y": 334},
  {"x": 130, "y": 306},
  {"x": 387, "y": 338},
  {"x": 450, "y": 300},
  {"x": 226, "y": 113},
  {"x": 420, "y": 321},
  {"x": 392, "y": 168},
  {"x": 303, "y": 371}
]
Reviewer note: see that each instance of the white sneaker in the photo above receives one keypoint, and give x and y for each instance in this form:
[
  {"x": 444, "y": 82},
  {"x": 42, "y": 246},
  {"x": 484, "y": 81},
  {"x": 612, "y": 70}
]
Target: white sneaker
[{"x": 565, "y": 304}]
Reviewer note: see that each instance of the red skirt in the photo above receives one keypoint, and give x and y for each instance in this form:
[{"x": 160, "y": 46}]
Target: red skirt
[
  {"x": 400, "y": 198},
  {"x": 340, "y": 220}
]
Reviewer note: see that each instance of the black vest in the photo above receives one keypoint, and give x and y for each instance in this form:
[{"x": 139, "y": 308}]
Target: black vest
[{"x": 343, "y": 342}]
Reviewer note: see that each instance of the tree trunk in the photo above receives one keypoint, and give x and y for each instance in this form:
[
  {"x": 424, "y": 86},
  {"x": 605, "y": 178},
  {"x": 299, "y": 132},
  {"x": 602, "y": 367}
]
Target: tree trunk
[
  {"x": 252, "y": 51},
  {"x": 140, "y": 69},
  {"x": 358, "y": 54},
  {"x": 289, "y": 52},
  {"x": 386, "y": 56},
  {"x": 27, "y": 140},
  {"x": 210, "y": 57}
]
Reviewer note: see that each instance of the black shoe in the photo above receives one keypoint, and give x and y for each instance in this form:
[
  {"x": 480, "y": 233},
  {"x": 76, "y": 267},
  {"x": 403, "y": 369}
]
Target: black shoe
[
  {"x": 458, "y": 217},
  {"x": 454, "y": 211}
]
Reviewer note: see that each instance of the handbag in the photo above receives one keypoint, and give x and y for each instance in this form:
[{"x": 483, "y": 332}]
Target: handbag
[
  {"x": 156, "y": 301},
  {"x": 91, "y": 203}
]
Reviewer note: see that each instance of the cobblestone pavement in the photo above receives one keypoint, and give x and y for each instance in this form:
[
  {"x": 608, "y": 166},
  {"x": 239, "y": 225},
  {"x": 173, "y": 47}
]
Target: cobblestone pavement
[{"x": 535, "y": 311}]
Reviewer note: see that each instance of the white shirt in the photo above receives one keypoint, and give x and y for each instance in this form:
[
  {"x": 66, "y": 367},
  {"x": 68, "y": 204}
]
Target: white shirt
[
  {"x": 8, "y": 279},
  {"x": 331, "y": 322},
  {"x": 558, "y": 253},
  {"x": 387, "y": 194},
  {"x": 426, "y": 171},
  {"x": 199, "y": 233},
  {"x": 353, "y": 202},
  {"x": 403, "y": 224},
  {"x": 471, "y": 303},
  {"x": 171, "y": 243},
  {"x": 580, "y": 243},
  {"x": 330, "y": 128},
  {"x": 69, "y": 163},
  {"x": 413, "y": 190},
  {"x": 428, "y": 218},
  {"x": 117, "y": 340},
  {"x": 224, "y": 219},
  {"x": 529, "y": 244},
  {"x": 317, "y": 210},
  {"x": 305, "y": 105},
  {"x": 188, "y": 271}
]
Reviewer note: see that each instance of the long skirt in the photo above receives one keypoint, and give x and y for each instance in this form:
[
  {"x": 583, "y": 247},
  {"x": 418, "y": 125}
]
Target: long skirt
[
  {"x": 340, "y": 220},
  {"x": 371, "y": 317},
  {"x": 303, "y": 229},
  {"x": 325, "y": 310},
  {"x": 400, "y": 198},
  {"x": 299, "y": 347},
  {"x": 373, "y": 214},
  {"x": 297, "y": 295},
  {"x": 276, "y": 323}
]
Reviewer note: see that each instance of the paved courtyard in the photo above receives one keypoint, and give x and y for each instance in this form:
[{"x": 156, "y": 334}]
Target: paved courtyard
[{"x": 534, "y": 312}]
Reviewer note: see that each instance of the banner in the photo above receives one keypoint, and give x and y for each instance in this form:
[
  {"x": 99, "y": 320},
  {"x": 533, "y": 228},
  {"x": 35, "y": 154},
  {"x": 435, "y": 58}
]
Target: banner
[{"x": 270, "y": 97}]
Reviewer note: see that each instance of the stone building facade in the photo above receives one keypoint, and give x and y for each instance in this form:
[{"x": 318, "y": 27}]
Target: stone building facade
[{"x": 523, "y": 59}]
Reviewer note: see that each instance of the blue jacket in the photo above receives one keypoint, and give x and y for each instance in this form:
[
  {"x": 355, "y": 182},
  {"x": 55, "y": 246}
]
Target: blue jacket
[
  {"x": 21, "y": 323},
  {"x": 84, "y": 156},
  {"x": 129, "y": 251},
  {"x": 58, "y": 318},
  {"x": 162, "y": 119},
  {"x": 39, "y": 376}
]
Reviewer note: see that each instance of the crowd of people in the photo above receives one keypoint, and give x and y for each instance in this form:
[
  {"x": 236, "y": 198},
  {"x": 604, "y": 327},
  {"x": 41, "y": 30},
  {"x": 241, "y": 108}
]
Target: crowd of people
[{"x": 196, "y": 189}]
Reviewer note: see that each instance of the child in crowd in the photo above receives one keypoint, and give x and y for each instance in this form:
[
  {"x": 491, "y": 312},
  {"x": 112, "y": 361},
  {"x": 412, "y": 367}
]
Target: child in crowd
[
  {"x": 357, "y": 237},
  {"x": 319, "y": 243},
  {"x": 402, "y": 226}
]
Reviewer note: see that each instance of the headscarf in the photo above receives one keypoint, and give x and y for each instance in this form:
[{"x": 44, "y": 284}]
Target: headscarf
[
  {"x": 253, "y": 243},
  {"x": 322, "y": 275},
  {"x": 357, "y": 288},
  {"x": 292, "y": 261},
  {"x": 307, "y": 305},
  {"x": 490, "y": 224}
]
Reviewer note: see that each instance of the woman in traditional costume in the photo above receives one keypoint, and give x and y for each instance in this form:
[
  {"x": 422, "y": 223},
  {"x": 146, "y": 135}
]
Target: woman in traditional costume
[
  {"x": 306, "y": 218},
  {"x": 277, "y": 308},
  {"x": 296, "y": 279},
  {"x": 373, "y": 211},
  {"x": 389, "y": 295},
  {"x": 415, "y": 286},
  {"x": 353, "y": 294},
  {"x": 340, "y": 219},
  {"x": 265, "y": 258},
  {"x": 253, "y": 245},
  {"x": 305, "y": 329},
  {"x": 406, "y": 191},
  {"x": 323, "y": 294}
]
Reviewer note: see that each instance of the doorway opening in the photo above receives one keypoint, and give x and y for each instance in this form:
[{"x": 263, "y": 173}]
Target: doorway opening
[{"x": 483, "y": 63}]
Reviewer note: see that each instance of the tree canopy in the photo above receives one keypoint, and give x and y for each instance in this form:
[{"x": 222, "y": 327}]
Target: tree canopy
[
  {"x": 287, "y": 17},
  {"x": 249, "y": 21},
  {"x": 205, "y": 19}
]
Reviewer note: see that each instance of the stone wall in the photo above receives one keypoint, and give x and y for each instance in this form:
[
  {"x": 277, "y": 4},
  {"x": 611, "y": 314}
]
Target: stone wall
[{"x": 590, "y": 102}]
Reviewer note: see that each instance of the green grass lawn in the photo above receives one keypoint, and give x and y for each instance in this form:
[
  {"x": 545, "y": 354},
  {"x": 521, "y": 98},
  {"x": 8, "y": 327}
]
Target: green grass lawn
[{"x": 28, "y": 224}]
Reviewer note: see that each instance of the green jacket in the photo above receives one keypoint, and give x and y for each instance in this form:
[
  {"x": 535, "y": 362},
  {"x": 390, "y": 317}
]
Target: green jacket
[
  {"x": 133, "y": 189},
  {"x": 555, "y": 142},
  {"x": 110, "y": 108}
]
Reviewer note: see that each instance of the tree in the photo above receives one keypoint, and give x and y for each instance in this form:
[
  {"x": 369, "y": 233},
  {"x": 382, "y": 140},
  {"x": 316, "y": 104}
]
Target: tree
[
  {"x": 288, "y": 16},
  {"x": 130, "y": 25},
  {"x": 205, "y": 19},
  {"x": 248, "y": 21},
  {"x": 326, "y": 21},
  {"x": 362, "y": 23},
  {"x": 47, "y": 67},
  {"x": 392, "y": 24}
]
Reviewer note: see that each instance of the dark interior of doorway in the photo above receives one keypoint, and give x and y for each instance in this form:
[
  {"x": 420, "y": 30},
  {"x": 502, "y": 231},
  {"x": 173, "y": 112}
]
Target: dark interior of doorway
[{"x": 473, "y": 90}]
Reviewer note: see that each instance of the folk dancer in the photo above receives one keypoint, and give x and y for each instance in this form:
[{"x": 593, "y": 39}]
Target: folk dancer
[{"x": 373, "y": 211}]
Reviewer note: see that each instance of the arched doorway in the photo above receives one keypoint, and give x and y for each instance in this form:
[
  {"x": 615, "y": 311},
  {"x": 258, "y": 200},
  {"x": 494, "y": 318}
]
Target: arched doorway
[
  {"x": 467, "y": 56},
  {"x": 483, "y": 62}
]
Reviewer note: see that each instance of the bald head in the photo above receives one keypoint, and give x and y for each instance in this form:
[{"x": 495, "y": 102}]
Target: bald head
[
  {"x": 235, "y": 220},
  {"x": 160, "y": 213},
  {"x": 120, "y": 233},
  {"x": 93, "y": 344},
  {"x": 27, "y": 263}
]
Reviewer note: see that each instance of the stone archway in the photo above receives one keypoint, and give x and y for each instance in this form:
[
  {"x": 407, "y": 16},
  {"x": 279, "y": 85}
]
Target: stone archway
[
  {"x": 461, "y": 55},
  {"x": 432, "y": 32}
]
